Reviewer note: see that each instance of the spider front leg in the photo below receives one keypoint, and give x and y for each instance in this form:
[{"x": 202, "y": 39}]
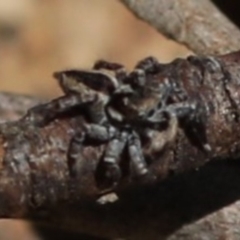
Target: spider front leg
[
  {"x": 92, "y": 133},
  {"x": 109, "y": 169},
  {"x": 111, "y": 159},
  {"x": 74, "y": 155},
  {"x": 112, "y": 173},
  {"x": 137, "y": 78},
  {"x": 193, "y": 119},
  {"x": 44, "y": 113},
  {"x": 137, "y": 160}
]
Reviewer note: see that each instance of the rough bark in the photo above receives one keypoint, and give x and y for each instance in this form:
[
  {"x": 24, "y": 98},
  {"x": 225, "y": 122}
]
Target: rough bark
[
  {"x": 197, "y": 24},
  {"x": 35, "y": 180},
  {"x": 13, "y": 106}
]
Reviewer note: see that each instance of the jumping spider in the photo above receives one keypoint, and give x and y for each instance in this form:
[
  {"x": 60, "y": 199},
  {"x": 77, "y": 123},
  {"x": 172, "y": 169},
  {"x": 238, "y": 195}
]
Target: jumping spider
[
  {"x": 94, "y": 90},
  {"x": 122, "y": 108}
]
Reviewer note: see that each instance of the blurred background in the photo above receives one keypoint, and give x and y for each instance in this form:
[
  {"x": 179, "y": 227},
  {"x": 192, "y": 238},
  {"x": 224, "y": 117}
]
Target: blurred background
[{"x": 38, "y": 37}]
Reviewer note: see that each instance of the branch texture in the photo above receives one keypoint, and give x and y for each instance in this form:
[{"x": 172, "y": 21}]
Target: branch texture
[
  {"x": 35, "y": 180},
  {"x": 197, "y": 24}
]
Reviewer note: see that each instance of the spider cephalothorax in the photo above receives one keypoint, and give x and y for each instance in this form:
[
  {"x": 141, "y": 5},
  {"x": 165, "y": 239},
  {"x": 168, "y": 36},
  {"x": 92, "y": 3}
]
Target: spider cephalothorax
[{"x": 122, "y": 109}]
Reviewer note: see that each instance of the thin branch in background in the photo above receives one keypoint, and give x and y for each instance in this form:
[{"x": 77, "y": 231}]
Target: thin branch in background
[{"x": 197, "y": 24}]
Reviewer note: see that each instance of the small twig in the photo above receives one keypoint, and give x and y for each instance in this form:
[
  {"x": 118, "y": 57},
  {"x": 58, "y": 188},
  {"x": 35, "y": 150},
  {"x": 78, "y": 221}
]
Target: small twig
[{"x": 197, "y": 24}]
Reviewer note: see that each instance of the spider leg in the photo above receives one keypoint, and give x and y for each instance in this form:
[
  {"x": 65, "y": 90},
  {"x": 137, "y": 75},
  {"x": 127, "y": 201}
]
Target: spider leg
[
  {"x": 111, "y": 170},
  {"x": 74, "y": 155},
  {"x": 119, "y": 69},
  {"x": 137, "y": 78},
  {"x": 138, "y": 162},
  {"x": 192, "y": 118},
  {"x": 148, "y": 65},
  {"x": 91, "y": 132},
  {"x": 100, "y": 133},
  {"x": 110, "y": 163},
  {"x": 43, "y": 113},
  {"x": 102, "y": 64}
]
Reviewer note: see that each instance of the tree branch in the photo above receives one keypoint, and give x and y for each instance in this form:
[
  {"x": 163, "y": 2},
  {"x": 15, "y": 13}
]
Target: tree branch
[
  {"x": 197, "y": 24},
  {"x": 35, "y": 180}
]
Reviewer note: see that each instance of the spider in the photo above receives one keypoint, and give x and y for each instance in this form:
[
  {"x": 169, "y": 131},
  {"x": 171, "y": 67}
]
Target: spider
[
  {"x": 122, "y": 108},
  {"x": 92, "y": 90}
]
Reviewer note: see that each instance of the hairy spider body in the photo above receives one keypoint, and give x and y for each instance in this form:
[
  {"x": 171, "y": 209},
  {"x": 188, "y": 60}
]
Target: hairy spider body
[
  {"x": 93, "y": 90},
  {"x": 124, "y": 108}
]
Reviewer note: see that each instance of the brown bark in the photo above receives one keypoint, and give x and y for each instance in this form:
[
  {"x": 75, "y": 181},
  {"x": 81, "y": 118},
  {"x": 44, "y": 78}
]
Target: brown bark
[
  {"x": 13, "y": 106},
  {"x": 35, "y": 180},
  {"x": 197, "y": 24}
]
